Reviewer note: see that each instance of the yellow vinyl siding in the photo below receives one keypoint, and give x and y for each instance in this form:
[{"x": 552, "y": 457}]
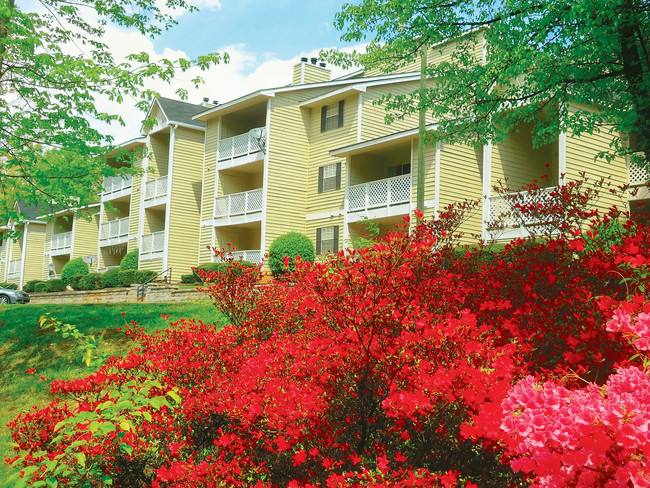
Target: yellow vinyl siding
[
  {"x": 154, "y": 265},
  {"x": 320, "y": 143},
  {"x": 35, "y": 255},
  {"x": 208, "y": 187},
  {"x": 134, "y": 209},
  {"x": 86, "y": 235},
  {"x": 461, "y": 178},
  {"x": 316, "y": 74},
  {"x": 287, "y": 163},
  {"x": 581, "y": 156},
  {"x": 185, "y": 208},
  {"x": 158, "y": 154}
]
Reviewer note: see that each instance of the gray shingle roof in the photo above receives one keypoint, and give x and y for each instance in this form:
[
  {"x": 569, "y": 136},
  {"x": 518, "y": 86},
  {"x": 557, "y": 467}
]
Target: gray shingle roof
[
  {"x": 179, "y": 111},
  {"x": 30, "y": 211}
]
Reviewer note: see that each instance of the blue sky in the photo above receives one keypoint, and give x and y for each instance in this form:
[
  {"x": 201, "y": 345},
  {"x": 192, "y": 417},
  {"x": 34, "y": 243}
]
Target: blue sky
[{"x": 268, "y": 28}]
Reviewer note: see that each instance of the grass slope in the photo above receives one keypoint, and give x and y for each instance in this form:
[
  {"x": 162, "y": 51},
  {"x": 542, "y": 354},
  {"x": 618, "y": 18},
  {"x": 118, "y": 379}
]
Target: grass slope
[{"x": 23, "y": 346}]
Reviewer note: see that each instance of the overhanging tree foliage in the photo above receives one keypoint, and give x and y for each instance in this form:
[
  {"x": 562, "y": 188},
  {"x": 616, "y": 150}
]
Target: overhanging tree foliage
[
  {"x": 576, "y": 66},
  {"x": 54, "y": 68}
]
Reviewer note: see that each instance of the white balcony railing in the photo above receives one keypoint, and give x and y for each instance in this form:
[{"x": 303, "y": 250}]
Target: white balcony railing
[
  {"x": 502, "y": 207},
  {"x": 380, "y": 193},
  {"x": 15, "y": 266},
  {"x": 114, "y": 229},
  {"x": 639, "y": 175},
  {"x": 253, "y": 256},
  {"x": 242, "y": 145},
  {"x": 114, "y": 184},
  {"x": 155, "y": 188},
  {"x": 243, "y": 203},
  {"x": 61, "y": 242},
  {"x": 152, "y": 243}
]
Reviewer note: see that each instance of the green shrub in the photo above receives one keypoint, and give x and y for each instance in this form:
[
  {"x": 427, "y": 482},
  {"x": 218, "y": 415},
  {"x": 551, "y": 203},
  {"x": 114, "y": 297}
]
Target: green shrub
[
  {"x": 218, "y": 268},
  {"x": 290, "y": 245},
  {"x": 604, "y": 236},
  {"x": 55, "y": 285},
  {"x": 29, "y": 286},
  {"x": 189, "y": 278},
  {"x": 73, "y": 267},
  {"x": 9, "y": 286},
  {"x": 39, "y": 287},
  {"x": 126, "y": 277},
  {"x": 143, "y": 275},
  {"x": 130, "y": 260},
  {"x": 74, "y": 281},
  {"x": 91, "y": 281},
  {"x": 110, "y": 279}
]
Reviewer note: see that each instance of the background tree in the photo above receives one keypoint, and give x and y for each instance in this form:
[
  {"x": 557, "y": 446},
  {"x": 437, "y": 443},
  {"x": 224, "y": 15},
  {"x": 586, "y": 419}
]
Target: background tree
[
  {"x": 54, "y": 68},
  {"x": 577, "y": 66}
]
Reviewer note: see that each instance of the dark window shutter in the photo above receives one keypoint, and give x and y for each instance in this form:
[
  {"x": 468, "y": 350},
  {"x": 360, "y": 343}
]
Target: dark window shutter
[
  {"x": 318, "y": 240},
  {"x": 341, "y": 103},
  {"x": 338, "y": 176},
  {"x": 323, "y": 118},
  {"x": 320, "y": 179},
  {"x": 336, "y": 238}
]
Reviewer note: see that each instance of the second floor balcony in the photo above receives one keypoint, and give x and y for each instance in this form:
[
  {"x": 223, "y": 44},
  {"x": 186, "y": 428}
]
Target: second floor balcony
[
  {"x": 114, "y": 232},
  {"x": 513, "y": 214},
  {"x": 380, "y": 198},
  {"x": 242, "y": 148},
  {"x": 152, "y": 245},
  {"x": 155, "y": 191},
  {"x": 240, "y": 207},
  {"x": 61, "y": 243},
  {"x": 15, "y": 269},
  {"x": 116, "y": 187}
]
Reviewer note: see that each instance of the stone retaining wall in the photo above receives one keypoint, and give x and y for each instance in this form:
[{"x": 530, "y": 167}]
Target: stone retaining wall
[{"x": 154, "y": 294}]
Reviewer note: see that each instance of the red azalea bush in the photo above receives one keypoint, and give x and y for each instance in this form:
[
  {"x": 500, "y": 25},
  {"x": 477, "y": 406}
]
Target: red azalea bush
[{"x": 395, "y": 365}]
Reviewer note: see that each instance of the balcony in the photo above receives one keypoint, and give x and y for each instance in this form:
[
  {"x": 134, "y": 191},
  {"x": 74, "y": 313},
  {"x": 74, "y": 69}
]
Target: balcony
[
  {"x": 114, "y": 232},
  {"x": 116, "y": 187},
  {"x": 239, "y": 208},
  {"x": 253, "y": 256},
  {"x": 152, "y": 245},
  {"x": 155, "y": 191},
  {"x": 503, "y": 209},
  {"x": 61, "y": 243},
  {"x": 381, "y": 198},
  {"x": 639, "y": 176},
  {"x": 241, "y": 149},
  {"x": 15, "y": 268}
]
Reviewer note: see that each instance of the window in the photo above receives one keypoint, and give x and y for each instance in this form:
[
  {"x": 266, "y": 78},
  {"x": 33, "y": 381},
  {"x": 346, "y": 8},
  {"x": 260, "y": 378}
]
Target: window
[
  {"x": 329, "y": 177},
  {"x": 399, "y": 170},
  {"x": 331, "y": 116},
  {"x": 327, "y": 239}
]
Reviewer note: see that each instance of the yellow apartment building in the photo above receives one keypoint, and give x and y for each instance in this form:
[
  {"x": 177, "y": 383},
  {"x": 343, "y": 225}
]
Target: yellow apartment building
[
  {"x": 317, "y": 157},
  {"x": 136, "y": 211}
]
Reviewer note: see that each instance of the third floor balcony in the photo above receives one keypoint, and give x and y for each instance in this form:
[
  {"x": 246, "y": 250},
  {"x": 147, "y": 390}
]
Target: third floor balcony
[
  {"x": 116, "y": 187},
  {"x": 241, "y": 149},
  {"x": 61, "y": 243}
]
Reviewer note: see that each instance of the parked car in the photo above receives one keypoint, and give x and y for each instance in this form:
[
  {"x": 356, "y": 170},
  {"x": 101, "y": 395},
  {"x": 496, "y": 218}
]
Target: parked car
[{"x": 13, "y": 296}]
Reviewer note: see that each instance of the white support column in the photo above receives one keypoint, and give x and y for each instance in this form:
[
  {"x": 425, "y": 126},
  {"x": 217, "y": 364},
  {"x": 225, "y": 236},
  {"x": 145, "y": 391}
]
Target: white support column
[
  {"x": 168, "y": 204},
  {"x": 436, "y": 183},
  {"x": 265, "y": 179},
  {"x": 359, "y": 116},
  {"x": 487, "y": 186},
  {"x": 561, "y": 177},
  {"x": 143, "y": 184},
  {"x": 99, "y": 235},
  {"x": 24, "y": 255},
  {"x": 346, "y": 203},
  {"x": 74, "y": 227}
]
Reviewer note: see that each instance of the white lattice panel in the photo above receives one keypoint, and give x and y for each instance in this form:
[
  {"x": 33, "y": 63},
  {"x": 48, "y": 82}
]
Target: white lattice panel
[
  {"x": 61, "y": 241},
  {"x": 155, "y": 188},
  {"x": 114, "y": 228},
  {"x": 377, "y": 193},
  {"x": 239, "y": 203},
  {"x": 400, "y": 189},
  {"x": 14, "y": 268},
  {"x": 153, "y": 242},
  {"x": 240, "y": 145},
  {"x": 254, "y": 256},
  {"x": 116, "y": 183},
  {"x": 254, "y": 203},
  {"x": 503, "y": 207},
  {"x": 639, "y": 174},
  {"x": 357, "y": 197}
]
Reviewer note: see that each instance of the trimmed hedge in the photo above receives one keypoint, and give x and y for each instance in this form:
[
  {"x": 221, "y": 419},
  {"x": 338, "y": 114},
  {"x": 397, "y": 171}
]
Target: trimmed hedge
[
  {"x": 130, "y": 260},
  {"x": 111, "y": 279},
  {"x": 290, "y": 245},
  {"x": 190, "y": 278},
  {"x": 126, "y": 277},
  {"x": 55, "y": 285},
  {"x": 143, "y": 275},
  {"x": 29, "y": 286},
  {"x": 39, "y": 287},
  {"x": 73, "y": 267},
  {"x": 9, "y": 286},
  {"x": 74, "y": 281},
  {"x": 91, "y": 281}
]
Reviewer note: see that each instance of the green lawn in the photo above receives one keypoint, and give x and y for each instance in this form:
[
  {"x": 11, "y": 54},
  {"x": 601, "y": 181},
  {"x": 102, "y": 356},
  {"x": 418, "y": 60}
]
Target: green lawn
[{"x": 23, "y": 346}]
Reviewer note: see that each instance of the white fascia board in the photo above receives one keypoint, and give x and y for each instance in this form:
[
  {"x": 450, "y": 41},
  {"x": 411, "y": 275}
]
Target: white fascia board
[
  {"x": 153, "y": 104},
  {"x": 360, "y": 147},
  {"x": 334, "y": 94}
]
